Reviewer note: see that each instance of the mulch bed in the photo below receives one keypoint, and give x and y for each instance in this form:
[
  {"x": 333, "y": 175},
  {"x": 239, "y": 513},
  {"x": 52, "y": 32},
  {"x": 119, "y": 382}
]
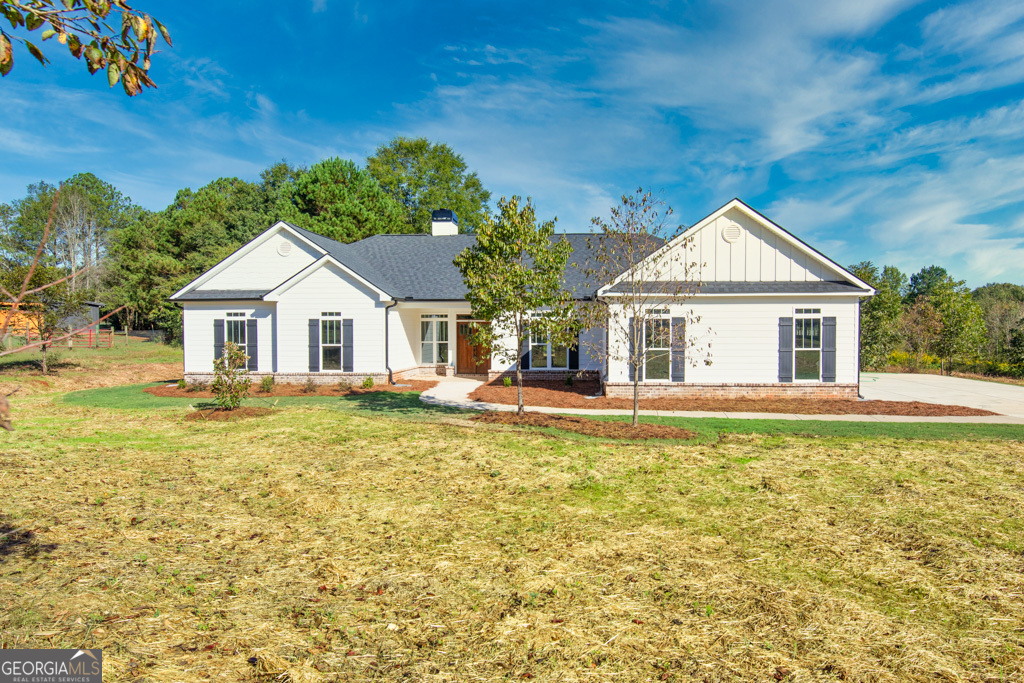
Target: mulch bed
[
  {"x": 558, "y": 395},
  {"x": 297, "y": 390},
  {"x": 224, "y": 415},
  {"x": 581, "y": 425}
]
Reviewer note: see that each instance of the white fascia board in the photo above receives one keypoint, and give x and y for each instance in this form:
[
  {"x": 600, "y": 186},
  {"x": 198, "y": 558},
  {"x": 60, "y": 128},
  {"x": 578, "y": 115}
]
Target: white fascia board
[
  {"x": 765, "y": 222},
  {"x": 275, "y": 294},
  {"x": 242, "y": 251}
]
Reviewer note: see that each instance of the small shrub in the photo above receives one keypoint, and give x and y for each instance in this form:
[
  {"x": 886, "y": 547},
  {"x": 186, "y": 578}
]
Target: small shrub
[
  {"x": 198, "y": 386},
  {"x": 507, "y": 381},
  {"x": 344, "y": 386},
  {"x": 368, "y": 382},
  {"x": 231, "y": 379},
  {"x": 568, "y": 379},
  {"x": 182, "y": 384},
  {"x": 310, "y": 386},
  {"x": 267, "y": 384}
]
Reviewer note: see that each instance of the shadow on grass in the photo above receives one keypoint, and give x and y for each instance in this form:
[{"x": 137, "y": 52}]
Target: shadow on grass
[
  {"x": 398, "y": 403},
  {"x": 20, "y": 540},
  {"x": 53, "y": 366}
]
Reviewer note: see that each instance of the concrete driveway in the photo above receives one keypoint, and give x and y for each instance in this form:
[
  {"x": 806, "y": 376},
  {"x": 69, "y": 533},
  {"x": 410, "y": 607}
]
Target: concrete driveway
[{"x": 1005, "y": 399}]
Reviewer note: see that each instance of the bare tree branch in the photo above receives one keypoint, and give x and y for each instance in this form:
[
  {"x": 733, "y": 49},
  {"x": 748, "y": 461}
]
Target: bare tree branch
[{"x": 54, "y": 340}]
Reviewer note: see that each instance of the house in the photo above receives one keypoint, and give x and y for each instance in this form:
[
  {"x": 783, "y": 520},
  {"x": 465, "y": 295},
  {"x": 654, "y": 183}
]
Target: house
[{"x": 784, "y": 317}]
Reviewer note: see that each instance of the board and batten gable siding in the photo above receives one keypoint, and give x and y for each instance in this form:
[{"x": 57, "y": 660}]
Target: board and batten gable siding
[
  {"x": 198, "y": 317},
  {"x": 329, "y": 289},
  {"x": 264, "y": 267},
  {"x": 744, "y": 338},
  {"x": 758, "y": 255}
]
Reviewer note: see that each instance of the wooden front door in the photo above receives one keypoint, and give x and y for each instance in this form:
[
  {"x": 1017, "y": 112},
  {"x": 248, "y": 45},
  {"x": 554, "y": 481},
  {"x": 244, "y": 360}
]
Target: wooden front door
[{"x": 470, "y": 358}]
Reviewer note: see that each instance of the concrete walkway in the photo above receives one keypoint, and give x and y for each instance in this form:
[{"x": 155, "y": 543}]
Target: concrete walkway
[{"x": 453, "y": 392}]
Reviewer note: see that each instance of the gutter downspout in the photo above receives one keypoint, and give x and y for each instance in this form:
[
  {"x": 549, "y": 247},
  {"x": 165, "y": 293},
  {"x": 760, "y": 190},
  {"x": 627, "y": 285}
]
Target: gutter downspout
[{"x": 387, "y": 341}]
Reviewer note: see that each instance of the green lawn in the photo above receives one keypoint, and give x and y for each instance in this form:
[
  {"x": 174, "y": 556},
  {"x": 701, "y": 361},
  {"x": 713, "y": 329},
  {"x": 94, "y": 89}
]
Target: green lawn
[
  {"x": 708, "y": 429},
  {"x": 379, "y": 539}
]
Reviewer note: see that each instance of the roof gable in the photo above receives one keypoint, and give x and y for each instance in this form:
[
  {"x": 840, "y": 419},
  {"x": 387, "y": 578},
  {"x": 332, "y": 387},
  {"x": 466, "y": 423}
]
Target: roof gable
[
  {"x": 326, "y": 261},
  {"x": 737, "y": 244},
  {"x": 271, "y": 264}
]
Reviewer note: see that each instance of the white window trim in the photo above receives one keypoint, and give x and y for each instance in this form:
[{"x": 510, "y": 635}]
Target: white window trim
[
  {"x": 660, "y": 316},
  {"x": 807, "y": 313},
  {"x": 332, "y": 316},
  {"x": 548, "y": 349},
  {"x": 235, "y": 317},
  {"x": 436, "y": 318}
]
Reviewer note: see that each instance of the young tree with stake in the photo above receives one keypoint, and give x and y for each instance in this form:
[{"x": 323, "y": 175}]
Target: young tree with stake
[{"x": 515, "y": 274}]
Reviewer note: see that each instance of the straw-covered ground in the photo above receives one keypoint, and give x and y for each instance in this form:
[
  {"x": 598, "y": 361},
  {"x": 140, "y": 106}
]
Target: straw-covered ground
[{"x": 353, "y": 540}]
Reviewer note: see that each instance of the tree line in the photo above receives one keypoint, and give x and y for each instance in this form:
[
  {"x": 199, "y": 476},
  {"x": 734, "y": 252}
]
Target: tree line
[
  {"x": 112, "y": 250},
  {"x": 123, "y": 255},
  {"x": 932, "y": 320}
]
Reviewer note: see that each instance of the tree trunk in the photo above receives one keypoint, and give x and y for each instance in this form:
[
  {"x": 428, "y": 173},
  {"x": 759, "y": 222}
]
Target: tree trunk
[
  {"x": 519, "y": 389},
  {"x": 43, "y": 349},
  {"x": 636, "y": 397}
]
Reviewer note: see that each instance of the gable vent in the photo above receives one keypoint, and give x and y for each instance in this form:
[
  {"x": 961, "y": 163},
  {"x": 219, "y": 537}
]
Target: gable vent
[
  {"x": 284, "y": 248},
  {"x": 731, "y": 232}
]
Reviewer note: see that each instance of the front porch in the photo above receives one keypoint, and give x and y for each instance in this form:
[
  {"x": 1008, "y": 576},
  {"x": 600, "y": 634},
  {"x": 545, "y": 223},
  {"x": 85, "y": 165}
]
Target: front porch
[{"x": 427, "y": 340}]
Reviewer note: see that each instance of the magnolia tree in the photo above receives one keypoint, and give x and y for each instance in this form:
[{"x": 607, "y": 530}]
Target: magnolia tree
[
  {"x": 645, "y": 270},
  {"x": 231, "y": 381},
  {"x": 514, "y": 273}
]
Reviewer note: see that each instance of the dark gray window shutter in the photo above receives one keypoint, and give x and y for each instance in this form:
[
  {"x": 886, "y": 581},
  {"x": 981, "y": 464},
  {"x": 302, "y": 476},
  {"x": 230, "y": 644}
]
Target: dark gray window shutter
[
  {"x": 346, "y": 345},
  {"x": 574, "y": 354},
  {"x": 218, "y": 339},
  {"x": 251, "y": 345},
  {"x": 828, "y": 349},
  {"x": 678, "y": 349},
  {"x": 314, "y": 344},
  {"x": 524, "y": 353},
  {"x": 631, "y": 359},
  {"x": 785, "y": 349}
]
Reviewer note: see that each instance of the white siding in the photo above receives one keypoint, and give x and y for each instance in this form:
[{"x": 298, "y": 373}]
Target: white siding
[
  {"x": 404, "y": 338},
  {"x": 264, "y": 267},
  {"x": 198, "y": 331},
  {"x": 743, "y": 334},
  {"x": 758, "y": 255},
  {"x": 329, "y": 289}
]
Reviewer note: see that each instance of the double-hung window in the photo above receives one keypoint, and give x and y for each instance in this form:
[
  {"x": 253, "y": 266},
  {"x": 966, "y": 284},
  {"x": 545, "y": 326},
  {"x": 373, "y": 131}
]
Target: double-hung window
[
  {"x": 658, "y": 349},
  {"x": 807, "y": 344},
  {"x": 434, "y": 339},
  {"x": 234, "y": 328},
  {"x": 330, "y": 341},
  {"x": 547, "y": 356}
]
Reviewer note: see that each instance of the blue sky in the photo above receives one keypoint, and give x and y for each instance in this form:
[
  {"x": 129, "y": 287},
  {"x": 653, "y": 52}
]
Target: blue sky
[{"x": 874, "y": 129}]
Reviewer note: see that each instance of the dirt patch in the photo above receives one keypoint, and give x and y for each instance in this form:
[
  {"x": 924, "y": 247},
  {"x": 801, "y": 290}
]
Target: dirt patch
[
  {"x": 224, "y": 415},
  {"x": 299, "y": 390},
  {"x": 558, "y": 395},
  {"x": 72, "y": 377},
  {"x": 587, "y": 427}
]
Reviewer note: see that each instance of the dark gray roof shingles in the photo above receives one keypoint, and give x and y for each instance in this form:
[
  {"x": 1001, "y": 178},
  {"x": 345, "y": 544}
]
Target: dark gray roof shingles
[
  {"x": 421, "y": 267},
  {"x": 222, "y": 294},
  {"x": 822, "y": 287}
]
